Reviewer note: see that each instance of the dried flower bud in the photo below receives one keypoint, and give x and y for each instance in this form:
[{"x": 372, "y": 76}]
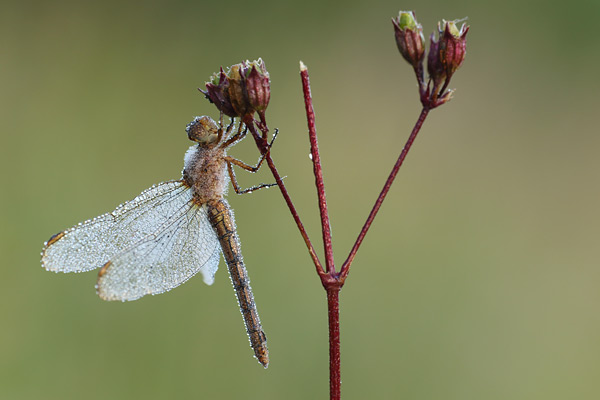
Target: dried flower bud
[
  {"x": 409, "y": 37},
  {"x": 258, "y": 86},
  {"x": 435, "y": 67},
  {"x": 237, "y": 89},
  {"x": 448, "y": 52},
  {"x": 217, "y": 91},
  {"x": 453, "y": 46},
  {"x": 244, "y": 89}
]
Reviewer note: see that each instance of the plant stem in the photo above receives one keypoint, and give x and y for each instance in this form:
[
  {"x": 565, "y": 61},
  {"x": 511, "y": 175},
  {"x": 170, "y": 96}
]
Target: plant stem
[
  {"x": 330, "y": 280},
  {"x": 333, "y": 309},
  {"x": 316, "y": 159},
  {"x": 384, "y": 192},
  {"x": 260, "y": 141}
]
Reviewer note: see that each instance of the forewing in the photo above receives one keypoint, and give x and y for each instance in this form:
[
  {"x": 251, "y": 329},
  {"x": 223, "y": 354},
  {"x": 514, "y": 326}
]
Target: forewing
[
  {"x": 185, "y": 244},
  {"x": 91, "y": 244}
]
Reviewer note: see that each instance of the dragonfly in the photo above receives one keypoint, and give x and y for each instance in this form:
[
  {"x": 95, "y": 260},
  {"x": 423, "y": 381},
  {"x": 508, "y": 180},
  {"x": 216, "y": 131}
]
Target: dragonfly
[{"x": 170, "y": 232}]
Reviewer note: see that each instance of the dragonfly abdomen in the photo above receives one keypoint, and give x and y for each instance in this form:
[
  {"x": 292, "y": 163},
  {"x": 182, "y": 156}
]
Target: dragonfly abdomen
[{"x": 221, "y": 218}]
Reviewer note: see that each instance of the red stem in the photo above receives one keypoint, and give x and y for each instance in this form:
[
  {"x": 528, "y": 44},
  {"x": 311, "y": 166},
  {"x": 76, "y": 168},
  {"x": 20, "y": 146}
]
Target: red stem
[
  {"x": 330, "y": 280},
  {"x": 316, "y": 159},
  {"x": 261, "y": 142},
  {"x": 333, "y": 308},
  {"x": 384, "y": 192}
]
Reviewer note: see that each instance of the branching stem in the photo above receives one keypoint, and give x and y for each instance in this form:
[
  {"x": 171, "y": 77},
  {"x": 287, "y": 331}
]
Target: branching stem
[{"x": 384, "y": 192}]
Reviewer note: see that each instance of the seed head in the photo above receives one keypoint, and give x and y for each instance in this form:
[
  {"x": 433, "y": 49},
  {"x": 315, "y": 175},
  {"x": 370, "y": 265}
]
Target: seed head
[{"x": 244, "y": 89}]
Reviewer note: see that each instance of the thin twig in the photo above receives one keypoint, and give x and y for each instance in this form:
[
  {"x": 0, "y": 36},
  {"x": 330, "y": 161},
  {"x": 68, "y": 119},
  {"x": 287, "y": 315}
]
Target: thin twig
[
  {"x": 267, "y": 154},
  {"x": 384, "y": 192},
  {"x": 314, "y": 151}
]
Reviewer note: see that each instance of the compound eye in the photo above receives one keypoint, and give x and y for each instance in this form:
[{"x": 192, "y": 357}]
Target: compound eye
[{"x": 203, "y": 130}]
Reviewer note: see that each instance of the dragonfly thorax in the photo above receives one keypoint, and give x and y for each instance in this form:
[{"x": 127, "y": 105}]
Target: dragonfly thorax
[{"x": 205, "y": 172}]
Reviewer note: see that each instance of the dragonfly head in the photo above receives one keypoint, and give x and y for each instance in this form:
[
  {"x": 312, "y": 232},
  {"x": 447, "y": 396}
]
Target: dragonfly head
[{"x": 203, "y": 130}]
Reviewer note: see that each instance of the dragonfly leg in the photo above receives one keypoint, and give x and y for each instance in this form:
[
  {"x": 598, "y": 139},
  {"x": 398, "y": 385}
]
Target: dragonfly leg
[
  {"x": 220, "y": 131},
  {"x": 233, "y": 161},
  {"x": 248, "y": 167},
  {"x": 235, "y": 138},
  {"x": 230, "y": 129},
  {"x": 236, "y": 186}
]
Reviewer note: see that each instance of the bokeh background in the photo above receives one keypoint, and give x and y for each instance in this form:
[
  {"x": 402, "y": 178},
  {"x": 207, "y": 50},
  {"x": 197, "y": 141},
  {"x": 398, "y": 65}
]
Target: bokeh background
[{"x": 478, "y": 280}]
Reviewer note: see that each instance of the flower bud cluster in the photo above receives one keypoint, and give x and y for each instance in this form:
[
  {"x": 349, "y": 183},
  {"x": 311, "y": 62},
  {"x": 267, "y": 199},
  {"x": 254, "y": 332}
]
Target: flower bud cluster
[
  {"x": 445, "y": 56},
  {"x": 244, "y": 89}
]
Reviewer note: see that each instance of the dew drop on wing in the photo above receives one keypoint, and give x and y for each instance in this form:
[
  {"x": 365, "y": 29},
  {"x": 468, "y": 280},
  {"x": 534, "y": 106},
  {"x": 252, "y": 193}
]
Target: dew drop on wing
[{"x": 87, "y": 246}]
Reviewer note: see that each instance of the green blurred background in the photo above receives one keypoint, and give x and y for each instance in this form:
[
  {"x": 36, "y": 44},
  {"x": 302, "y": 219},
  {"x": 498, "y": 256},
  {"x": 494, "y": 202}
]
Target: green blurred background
[{"x": 478, "y": 280}]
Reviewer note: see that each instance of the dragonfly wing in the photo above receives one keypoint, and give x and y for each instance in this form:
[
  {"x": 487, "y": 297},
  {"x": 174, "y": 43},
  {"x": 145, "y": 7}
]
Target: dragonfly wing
[
  {"x": 185, "y": 244},
  {"x": 93, "y": 243}
]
